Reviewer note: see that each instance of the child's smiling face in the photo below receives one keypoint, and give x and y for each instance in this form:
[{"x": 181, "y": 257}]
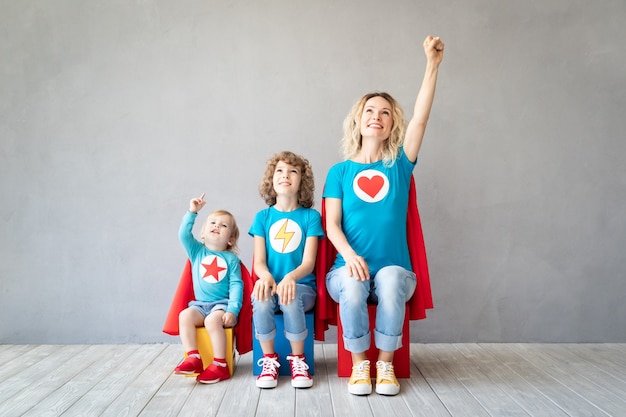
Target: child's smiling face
[
  {"x": 217, "y": 232},
  {"x": 286, "y": 179}
]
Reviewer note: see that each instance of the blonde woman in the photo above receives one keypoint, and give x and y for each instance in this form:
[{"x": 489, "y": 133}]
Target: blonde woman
[{"x": 366, "y": 200}]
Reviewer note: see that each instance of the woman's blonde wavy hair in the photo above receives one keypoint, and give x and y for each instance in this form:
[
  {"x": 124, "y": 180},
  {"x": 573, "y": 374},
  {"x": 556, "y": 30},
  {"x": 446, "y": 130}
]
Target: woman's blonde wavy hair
[
  {"x": 352, "y": 140},
  {"x": 307, "y": 184}
]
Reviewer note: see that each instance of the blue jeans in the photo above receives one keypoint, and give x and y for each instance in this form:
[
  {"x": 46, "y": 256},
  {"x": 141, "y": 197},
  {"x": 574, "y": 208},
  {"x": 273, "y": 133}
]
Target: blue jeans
[
  {"x": 293, "y": 315},
  {"x": 390, "y": 288}
]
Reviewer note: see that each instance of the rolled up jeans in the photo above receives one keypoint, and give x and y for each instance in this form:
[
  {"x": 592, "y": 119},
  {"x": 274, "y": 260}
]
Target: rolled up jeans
[{"x": 390, "y": 288}]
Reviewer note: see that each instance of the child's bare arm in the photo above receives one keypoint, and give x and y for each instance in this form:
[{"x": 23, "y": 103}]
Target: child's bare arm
[
  {"x": 286, "y": 289},
  {"x": 265, "y": 286}
]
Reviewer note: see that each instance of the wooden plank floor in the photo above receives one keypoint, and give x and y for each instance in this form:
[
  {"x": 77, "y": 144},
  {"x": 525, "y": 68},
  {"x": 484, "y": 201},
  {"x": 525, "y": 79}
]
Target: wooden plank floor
[{"x": 552, "y": 380}]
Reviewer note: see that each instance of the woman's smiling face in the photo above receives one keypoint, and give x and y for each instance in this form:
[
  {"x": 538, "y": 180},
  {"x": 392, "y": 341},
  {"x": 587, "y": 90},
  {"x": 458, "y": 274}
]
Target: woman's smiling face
[{"x": 377, "y": 119}]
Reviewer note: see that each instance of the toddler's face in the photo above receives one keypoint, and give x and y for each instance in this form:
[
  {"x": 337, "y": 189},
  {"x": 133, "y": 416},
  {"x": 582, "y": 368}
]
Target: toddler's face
[{"x": 217, "y": 232}]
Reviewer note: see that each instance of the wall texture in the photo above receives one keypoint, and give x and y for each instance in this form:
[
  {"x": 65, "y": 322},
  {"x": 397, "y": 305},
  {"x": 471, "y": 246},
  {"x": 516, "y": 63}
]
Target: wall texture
[{"x": 114, "y": 114}]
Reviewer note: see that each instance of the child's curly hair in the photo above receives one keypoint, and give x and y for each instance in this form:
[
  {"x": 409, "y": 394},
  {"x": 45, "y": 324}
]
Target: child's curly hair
[{"x": 307, "y": 184}]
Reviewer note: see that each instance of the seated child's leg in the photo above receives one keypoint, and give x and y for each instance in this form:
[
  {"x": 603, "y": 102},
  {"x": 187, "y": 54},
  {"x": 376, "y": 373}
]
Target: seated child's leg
[
  {"x": 297, "y": 348},
  {"x": 265, "y": 327},
  {"x": 218, "y": 370},
  {"x": 215, "y": 329},
  {"x": 188, "y": 319},
  {"x": 264, "y": 324},
  {"x": 296, "y": 332},
  {"x": 293, "y": 313}
]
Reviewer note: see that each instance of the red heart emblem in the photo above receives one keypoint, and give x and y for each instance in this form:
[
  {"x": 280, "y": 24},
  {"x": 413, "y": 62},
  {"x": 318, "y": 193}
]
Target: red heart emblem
[{"x": 371, "y": 186}]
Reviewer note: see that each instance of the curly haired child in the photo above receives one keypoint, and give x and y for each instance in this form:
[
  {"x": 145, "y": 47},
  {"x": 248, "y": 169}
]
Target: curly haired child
[{"x": 286, "y": 236}]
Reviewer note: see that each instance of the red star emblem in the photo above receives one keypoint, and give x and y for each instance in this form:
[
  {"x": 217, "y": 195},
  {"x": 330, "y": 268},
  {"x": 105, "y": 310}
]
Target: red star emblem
[{"x": 212, "y": 269}]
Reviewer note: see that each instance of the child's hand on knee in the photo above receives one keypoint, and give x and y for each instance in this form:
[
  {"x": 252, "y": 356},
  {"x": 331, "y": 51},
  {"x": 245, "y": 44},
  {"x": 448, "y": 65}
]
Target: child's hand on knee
[
  {"x": 229, "y": 319},
  {"x": 264, "y": 288},
  {"x": 286, "y": 290}
]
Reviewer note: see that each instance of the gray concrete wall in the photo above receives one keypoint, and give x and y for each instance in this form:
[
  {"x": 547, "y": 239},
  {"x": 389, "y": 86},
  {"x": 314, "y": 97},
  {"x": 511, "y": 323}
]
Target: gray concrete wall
[{"x": 114, "y": 114}]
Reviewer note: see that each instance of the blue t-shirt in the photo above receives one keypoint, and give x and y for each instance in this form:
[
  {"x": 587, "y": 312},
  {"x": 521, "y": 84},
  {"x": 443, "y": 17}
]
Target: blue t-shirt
[
  {"x": 374, "y": 202},
  {"x": 216, "y": 275},
  {"x": 285, "y": 236}
]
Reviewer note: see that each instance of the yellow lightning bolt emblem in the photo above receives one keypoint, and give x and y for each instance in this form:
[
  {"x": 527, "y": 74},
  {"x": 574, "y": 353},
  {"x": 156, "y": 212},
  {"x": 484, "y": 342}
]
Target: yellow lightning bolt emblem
[{"x": 285, "y": 235}]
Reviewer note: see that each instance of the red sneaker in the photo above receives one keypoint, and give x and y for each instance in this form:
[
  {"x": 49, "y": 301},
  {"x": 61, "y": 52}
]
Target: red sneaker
[
  {"x": 300, "y": 377},
  {"x": 268, "y": 378},
  {"x": 191, "y": 365},
  {"x": 213, "y": 374}
]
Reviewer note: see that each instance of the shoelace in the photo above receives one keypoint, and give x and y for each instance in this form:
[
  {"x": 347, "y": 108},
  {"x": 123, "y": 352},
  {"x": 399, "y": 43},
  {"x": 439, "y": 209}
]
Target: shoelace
[
  {"x": 298, "y": 366},
  {"x": 385, "y": 371},
  {"x": 270, "y": 366},
  {"x": 361, "y": 371}
]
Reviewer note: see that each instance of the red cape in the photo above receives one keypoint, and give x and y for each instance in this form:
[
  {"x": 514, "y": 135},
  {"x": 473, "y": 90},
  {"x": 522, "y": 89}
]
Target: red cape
[
  {"x": 422, "y": 299},
  {"x": 184, "y": 294}
]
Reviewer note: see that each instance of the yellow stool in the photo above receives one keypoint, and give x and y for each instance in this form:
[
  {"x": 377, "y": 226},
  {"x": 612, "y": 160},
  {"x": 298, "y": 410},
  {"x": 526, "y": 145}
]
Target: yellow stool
[{"x": 206, "y": 348}]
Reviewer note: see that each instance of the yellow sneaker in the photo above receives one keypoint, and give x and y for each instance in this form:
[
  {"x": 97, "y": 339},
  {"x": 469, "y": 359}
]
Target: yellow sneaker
[
  {"x": 386, "y": 382},
  {"x": 360, "y": 382}
]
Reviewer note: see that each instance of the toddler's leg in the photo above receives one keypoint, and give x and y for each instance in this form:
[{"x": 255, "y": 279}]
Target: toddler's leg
[
  {"x": 218, "y": 370},
  {"x": 188, "y": 320},
  {"x": 215, "y": 329}
]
